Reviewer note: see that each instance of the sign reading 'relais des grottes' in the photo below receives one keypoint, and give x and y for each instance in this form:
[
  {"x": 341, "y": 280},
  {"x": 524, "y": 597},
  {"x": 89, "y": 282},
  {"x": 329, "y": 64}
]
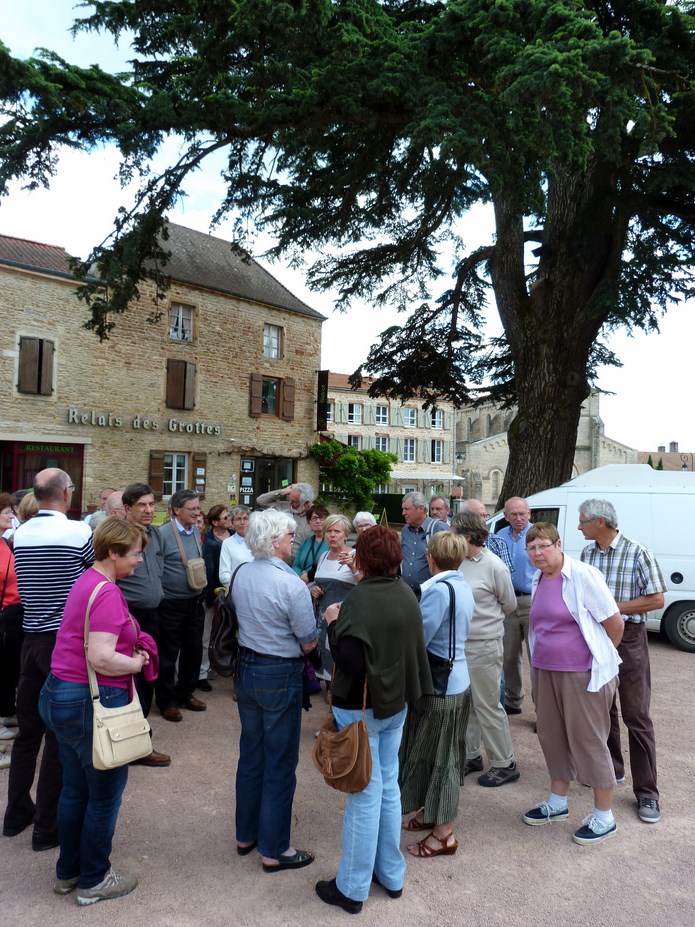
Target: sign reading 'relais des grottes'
[{"x": 140, "y": 422}]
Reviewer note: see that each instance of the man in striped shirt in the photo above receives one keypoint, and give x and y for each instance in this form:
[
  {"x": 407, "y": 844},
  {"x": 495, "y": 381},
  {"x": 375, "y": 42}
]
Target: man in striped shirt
[
  {"x": 633, "y": 576},
  {"x": 50, "y": 553}
]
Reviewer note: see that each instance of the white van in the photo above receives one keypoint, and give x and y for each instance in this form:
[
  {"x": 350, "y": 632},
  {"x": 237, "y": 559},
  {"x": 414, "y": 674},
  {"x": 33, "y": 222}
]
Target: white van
[{"x": 656, "y": 508}]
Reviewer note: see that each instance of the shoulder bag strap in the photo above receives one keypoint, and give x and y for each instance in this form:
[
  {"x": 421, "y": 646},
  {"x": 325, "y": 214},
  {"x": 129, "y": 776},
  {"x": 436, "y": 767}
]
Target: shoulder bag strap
[
  {"x": 93, "y": 685},
  {"x": 452, "y": 622},
  {"x": 231, "y": 582},
  {"x": 177, "y": 534}
]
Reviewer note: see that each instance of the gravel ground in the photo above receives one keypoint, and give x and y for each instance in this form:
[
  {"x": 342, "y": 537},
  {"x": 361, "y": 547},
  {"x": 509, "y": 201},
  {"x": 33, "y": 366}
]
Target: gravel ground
[{"x": 175, "y": 830}]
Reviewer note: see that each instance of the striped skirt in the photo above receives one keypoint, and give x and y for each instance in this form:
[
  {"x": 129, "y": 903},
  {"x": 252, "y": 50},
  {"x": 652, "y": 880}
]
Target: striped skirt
[{"x": 433, "y": 756}]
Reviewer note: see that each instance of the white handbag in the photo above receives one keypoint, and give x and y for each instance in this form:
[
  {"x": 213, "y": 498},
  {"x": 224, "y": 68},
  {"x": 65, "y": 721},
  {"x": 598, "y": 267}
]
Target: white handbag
[{"x": 120, "y": 735}]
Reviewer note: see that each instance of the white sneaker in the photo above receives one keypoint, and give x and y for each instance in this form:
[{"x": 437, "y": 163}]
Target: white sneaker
[
  {"x": 6, "y": 733},
  {"x": 112, "y": 885},
  {"x": 4, "y": 760},
  {"x": 11, "y": 721}
]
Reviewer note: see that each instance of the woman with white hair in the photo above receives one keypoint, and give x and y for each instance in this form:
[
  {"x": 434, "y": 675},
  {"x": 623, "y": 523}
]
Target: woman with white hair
[
  {"x": 362, "y": 521},
  {"x": 276, "y": 629},
  {"x": 336, "y": 574}
]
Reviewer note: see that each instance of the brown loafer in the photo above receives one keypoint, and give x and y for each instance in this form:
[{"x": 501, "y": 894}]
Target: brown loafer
[
  {"x": 155, "y": 760},
  {"x": 194, "y": 704},
  {"x": 172, "y": 714}
]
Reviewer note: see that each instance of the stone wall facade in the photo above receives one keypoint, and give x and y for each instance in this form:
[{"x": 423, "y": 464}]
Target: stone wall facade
[{"x": 108, "y": 405}]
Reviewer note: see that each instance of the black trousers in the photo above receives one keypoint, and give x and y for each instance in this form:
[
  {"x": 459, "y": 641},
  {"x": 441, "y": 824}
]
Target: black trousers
[
  {"x": 181, "y": 624},
  {"x": 35, "y": 667},
  {"x": 148, "y": 619},
  {"x": 11, "y": 637}
]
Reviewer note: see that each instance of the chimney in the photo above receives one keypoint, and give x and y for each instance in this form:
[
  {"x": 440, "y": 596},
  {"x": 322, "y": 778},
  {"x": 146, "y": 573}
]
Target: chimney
[
  {"x": 661, "y": 449},
  {"x": 673, "y": 447}
]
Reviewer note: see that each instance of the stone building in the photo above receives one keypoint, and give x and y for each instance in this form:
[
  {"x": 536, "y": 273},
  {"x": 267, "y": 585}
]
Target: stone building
[
  {"x": 671, "y": 459},
  {"x": 461, "y": 453},
  {"x": 219, "y": 395},
  {"x": 482, "y": 447},
  {"x": 424, "y": 442}
]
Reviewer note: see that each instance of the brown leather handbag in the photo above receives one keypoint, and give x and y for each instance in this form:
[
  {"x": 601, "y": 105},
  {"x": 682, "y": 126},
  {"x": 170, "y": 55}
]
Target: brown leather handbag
[{"x": 344, "y": 758}]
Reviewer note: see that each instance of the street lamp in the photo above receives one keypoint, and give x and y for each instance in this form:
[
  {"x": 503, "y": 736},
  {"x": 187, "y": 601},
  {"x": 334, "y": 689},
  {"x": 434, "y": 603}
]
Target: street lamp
[{"x": 684, "y": 465}]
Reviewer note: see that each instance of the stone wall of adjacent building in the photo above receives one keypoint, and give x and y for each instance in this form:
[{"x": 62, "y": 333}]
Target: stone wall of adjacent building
[{"x": 111, "y": 397}]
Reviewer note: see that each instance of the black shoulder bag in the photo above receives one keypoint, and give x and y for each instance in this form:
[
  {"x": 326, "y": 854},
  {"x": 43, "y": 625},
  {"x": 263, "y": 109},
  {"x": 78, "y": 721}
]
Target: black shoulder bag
[
  {"x": 441, "y": 667},
  {"x": 223, "y": 651}
]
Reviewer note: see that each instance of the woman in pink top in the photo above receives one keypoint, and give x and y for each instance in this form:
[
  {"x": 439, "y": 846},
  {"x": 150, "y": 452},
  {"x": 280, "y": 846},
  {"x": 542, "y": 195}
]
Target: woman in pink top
[
  {"x": 90, "y": 798},
  {"x": 574, "y": 629},
  {"x": 11, "y": 634}
]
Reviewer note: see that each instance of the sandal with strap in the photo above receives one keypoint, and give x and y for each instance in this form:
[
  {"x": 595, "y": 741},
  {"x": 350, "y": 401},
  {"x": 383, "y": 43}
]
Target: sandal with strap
[
  {"x": 416, "y": 824},
  {"x": 424, "y": 851}
]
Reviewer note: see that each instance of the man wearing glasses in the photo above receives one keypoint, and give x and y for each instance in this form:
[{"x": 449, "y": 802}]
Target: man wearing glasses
[
  {"x": 181, "y": 611},
  {"x": 296, "y": 500},
  {"x": 518, "y": 514},
  {"x": 50, "y": 553},
  {"x": 634, "y": 577},
  {"x": 143, "y": 591}
]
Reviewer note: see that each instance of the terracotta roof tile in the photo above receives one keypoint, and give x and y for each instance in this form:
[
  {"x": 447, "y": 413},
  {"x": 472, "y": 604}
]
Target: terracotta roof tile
[{"x": 33, "y": 254}]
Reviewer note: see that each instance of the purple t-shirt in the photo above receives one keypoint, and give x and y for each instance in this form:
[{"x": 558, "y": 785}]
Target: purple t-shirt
[
  {"x": 109, "y": 614},
  {"x": 559, "y": 643}
]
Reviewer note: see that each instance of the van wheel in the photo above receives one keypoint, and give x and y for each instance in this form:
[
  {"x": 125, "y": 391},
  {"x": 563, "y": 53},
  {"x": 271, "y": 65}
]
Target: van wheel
[{"x": 679, "y": 624}]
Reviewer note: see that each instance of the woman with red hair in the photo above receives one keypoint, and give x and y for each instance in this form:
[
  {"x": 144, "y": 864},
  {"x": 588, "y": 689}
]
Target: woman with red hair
[{"x": 376, "y": 633}]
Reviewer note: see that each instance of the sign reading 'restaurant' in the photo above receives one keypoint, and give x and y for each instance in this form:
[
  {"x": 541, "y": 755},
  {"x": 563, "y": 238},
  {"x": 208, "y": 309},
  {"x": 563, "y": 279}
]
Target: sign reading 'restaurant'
[{"x": 139, "y": 422}]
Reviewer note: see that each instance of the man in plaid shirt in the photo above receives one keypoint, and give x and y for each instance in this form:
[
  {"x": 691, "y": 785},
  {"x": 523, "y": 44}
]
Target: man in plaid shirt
[{"x": 633, "y": 576}]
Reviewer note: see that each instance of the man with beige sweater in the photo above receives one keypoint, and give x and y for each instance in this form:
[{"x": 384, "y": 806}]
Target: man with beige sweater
[{"x": 493, "y": 594}]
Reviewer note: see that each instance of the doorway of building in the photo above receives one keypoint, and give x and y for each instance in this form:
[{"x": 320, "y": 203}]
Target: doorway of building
[{"x": 20, "y": 462}]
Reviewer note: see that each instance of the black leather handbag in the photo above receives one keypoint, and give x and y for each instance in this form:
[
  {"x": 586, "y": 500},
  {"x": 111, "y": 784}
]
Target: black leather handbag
[
  {"x": 223, "y": 650},
  {"x": 441, "y": 667}
]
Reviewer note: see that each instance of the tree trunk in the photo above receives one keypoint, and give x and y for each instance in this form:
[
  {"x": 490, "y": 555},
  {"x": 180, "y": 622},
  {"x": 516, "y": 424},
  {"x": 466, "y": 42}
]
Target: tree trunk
[{"x": 552, "y": 327}]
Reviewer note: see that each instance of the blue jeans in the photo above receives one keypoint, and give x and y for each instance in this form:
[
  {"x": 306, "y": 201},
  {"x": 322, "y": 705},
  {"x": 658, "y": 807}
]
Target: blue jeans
[
  {"x": 90, "y": 798},
  {"x": 269, "y": 693},
  {"x": 372, "y": 819}
]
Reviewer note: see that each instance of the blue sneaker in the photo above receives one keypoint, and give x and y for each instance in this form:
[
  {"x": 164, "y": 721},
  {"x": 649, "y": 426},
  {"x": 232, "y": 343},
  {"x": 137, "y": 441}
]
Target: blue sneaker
[
  {"x": 593, "y": 831},
  {"x": 543, "y": 813}
]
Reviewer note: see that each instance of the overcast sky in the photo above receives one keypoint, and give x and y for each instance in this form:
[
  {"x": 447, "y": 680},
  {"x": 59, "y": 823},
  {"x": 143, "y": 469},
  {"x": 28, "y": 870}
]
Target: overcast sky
[{"x": 653, "y": 390}]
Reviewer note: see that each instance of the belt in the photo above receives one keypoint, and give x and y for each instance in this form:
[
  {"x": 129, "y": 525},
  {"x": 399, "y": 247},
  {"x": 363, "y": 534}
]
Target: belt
[
  {"x": 268, "y": 656},
  {"x": 521, "y": 592}
]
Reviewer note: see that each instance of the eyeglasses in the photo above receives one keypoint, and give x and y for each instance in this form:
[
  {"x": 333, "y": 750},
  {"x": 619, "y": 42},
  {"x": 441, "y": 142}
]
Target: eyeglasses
[
  {"x": 539, "y": 548},
  {"x": 70, "y": 486},
  {"x": 291, "y": 534},
  {"x": 317, "y": 517},
  {"x": 223, "y": 518},
  {"x": 138, "y": 554},
  {"x": 585, "y": 521}
]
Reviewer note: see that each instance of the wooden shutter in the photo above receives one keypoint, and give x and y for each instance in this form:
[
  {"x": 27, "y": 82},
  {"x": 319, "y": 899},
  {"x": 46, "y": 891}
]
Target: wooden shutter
[
  {"x": 176, "y": 382},
  {"x": 189, "y": 386},
  {"x": 288, "y": 390},
  {"x": 256, "y": 396},
  {"x": 156, "y": 476},
  {"x": 28, "y": 380},
  {"x": 46, "y": 369}
]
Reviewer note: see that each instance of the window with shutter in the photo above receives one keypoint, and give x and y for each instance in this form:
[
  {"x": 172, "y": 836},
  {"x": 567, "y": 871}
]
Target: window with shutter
[
  {"x": 181, "y": 377},
  {"x": 35, "y": 371}
]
